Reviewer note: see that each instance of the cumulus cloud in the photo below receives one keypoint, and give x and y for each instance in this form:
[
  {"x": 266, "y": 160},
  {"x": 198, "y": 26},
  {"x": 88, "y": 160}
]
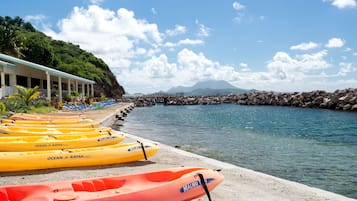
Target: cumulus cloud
[
  {"x": 285, "y": 67},
  {"x": 112, "y": 36},
  {"x": 335, "y": 43},
  {"x": 179, "y": 29},
  {"x": 238, "y": 6},
  {"x": 305, "y": 46},
  {"x": 132, "y": 49},
  {"x": 341, "y": 4}
]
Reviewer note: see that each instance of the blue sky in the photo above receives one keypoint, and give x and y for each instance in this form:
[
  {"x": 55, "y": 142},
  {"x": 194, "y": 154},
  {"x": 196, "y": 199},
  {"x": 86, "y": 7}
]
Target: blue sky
[{"x": 279, "y": 45}]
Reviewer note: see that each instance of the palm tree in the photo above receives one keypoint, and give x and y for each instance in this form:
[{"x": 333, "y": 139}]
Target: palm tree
[{"x": 27, "y": 95}]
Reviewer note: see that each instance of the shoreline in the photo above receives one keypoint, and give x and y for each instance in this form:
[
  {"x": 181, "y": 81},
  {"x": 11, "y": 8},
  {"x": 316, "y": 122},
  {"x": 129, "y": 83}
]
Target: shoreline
[{"x": 239, "y": 184}]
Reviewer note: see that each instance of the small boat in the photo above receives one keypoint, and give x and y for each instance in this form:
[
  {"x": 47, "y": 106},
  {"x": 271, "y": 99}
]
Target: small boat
[
  {"x": 91, "y": 156},
  {"x": 41, "y": 130},
  {"x": 52, "y": 142},
  {"x": 41, "y": 122},
  {"x": 175, "y": 184},
  {"x": 24, "y": 116},
  {"x": 51, "y": 125}
]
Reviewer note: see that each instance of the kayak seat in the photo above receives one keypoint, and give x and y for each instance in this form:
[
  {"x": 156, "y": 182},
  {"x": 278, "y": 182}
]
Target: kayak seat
[{"x": 97, "y": 184}]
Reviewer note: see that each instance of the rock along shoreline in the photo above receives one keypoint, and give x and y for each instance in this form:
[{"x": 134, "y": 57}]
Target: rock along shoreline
[{"x": 343, "y": 100}]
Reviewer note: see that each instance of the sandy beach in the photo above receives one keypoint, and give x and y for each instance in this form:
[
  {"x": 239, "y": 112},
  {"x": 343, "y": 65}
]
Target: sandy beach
[{"x": 239, "y": 184}]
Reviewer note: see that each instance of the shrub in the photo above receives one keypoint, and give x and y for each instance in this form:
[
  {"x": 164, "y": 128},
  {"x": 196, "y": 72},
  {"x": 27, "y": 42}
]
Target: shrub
[
  {"x": 16, "y": 105},
  {"x": 2, "y": 107},
  {"x": 68, "y": 97}
]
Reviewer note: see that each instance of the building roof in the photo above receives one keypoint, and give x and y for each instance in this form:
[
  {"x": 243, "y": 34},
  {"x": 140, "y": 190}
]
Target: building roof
[
  {"x": 4, "y": 63},
  {"x": 13, "y": 61}
]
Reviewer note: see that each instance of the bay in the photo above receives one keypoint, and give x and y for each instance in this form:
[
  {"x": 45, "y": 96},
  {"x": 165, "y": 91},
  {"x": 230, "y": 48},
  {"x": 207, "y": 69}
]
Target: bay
[{"x": 311, "y": 146}]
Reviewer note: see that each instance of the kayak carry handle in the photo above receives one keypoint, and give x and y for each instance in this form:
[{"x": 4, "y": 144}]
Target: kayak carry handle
[
  {"x": 204, "y": 185},
  {"x": 142, "y": 147}
]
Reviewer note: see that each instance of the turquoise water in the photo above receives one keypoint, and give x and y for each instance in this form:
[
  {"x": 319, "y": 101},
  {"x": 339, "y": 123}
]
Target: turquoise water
[{"x": 314, "y": 147}]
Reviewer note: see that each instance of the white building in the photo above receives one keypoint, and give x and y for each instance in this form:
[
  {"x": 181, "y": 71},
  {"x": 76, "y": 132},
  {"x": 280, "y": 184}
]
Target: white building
[{"x": 16, "y": 71}]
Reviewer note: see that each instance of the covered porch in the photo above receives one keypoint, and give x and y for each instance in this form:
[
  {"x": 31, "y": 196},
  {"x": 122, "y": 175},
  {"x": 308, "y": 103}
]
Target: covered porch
[{"x": 52, "y": 83}]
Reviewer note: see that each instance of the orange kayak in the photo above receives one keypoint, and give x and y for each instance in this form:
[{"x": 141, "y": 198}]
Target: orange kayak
[{"x": 176, "y": 184}]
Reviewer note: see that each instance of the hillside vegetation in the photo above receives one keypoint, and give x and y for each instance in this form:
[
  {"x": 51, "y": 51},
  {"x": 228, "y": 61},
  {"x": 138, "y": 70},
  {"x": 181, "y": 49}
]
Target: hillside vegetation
[{"x": 20, "y": 39}]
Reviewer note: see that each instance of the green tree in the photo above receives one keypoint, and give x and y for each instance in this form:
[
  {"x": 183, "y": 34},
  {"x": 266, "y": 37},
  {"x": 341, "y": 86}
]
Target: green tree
[
  {"x": 26, "y": 95},
  {"x": 8, "y": 29}
]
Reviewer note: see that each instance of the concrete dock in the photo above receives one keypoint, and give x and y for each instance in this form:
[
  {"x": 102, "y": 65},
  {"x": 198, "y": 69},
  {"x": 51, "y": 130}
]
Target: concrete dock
[{"x": 240, "y": 184}]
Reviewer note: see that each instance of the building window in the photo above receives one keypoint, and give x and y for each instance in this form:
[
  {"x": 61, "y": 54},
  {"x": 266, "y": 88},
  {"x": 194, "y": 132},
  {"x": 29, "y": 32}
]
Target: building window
[{"x": 21, "y": 80}]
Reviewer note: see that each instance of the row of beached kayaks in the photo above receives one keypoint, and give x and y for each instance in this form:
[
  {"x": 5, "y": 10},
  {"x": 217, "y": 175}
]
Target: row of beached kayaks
[
  {"x": 29, "y": 142},
  {"x": 35, "y": 142}
]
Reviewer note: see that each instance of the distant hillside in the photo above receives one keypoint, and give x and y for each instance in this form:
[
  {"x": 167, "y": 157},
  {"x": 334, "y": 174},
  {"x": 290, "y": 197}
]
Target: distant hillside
[
  {"x": 20, "y": 39},
  {"x": 208, "y": 87}
]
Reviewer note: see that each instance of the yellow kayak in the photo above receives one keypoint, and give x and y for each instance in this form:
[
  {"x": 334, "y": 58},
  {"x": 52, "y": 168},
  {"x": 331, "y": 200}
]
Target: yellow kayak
[
  {"x": 55, "y": 121},
  {"x": 52, "y": 142},
  {"x": 24, "y": 116},
  {"x": 26, "y": 131},
  {"x": 93, "y": 156},
  {"x": 49, "y": 125}
]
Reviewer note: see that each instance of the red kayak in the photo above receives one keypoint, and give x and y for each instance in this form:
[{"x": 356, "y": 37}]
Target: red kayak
[{"x": 176, "y": 184}]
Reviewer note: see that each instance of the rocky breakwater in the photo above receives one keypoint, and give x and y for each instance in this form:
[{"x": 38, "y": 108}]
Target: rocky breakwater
[{"x": 345, "y": 100}]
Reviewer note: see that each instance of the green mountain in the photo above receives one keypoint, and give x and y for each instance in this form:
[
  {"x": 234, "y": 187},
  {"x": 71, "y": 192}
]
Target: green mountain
[
  {"x": 20, "y": 39},
  {"x": 207, "y": 88}
]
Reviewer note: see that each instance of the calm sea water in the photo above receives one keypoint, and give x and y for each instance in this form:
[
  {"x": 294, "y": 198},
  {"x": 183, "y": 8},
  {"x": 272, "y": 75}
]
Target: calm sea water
[{"x": 314, "y": 147}]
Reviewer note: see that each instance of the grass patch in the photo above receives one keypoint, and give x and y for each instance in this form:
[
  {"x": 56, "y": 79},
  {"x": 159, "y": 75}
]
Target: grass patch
[{"x": 41, "y": 110}]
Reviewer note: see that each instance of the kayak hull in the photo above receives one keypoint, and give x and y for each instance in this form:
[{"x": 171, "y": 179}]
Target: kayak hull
[
  {"x": 51, "y": 125},
  {"x": 53, "y": 142},
  {"x": 24, "y": 116},
  {"x": 91, "y": 156},
  {"x": 174, "y": 184},
  {"x": 29, "y": 131},
  {"x": 55, "y": 121}
]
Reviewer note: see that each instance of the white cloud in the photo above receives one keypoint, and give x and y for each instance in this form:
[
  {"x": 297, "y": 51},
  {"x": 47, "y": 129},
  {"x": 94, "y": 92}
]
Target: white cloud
[
  {"x": 354, "y": 54},
  {"x": 335, "y": 43},
  {"x": 238, "y": 18},
  {"x": 177, "y": 31},
  {"x": 341, "y": 4},
  {"x": 153, "y": 11},
  {"x": 190, "y": 42},
  {"x": 203, "y": 30},
  {"x": 346, "y": 68},
  {"x": 305, "y": 46},
  {"x": 348, "y": 49},
  {"x": 96, "y": 2},
  {"x": 244, "y": 67},
  {"x": 238, "y": 6},
  {"x": 116, "y": 37},
  {"x": 285, "y": 67},
  {"x": 132, "y": 49},
  {"x": 34, "y": 17},
  {"x": 183, "y": 42}
]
